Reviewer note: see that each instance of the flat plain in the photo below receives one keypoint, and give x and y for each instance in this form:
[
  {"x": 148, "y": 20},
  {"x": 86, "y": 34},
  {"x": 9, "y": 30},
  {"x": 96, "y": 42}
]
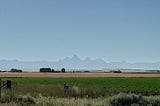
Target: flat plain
[
  {"x": 80, "y": 75},
  {"x": 85, "y": 89}
]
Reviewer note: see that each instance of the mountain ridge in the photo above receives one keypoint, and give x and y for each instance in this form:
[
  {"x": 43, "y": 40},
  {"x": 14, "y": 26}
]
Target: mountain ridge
[{"x": 75, "y": 63}]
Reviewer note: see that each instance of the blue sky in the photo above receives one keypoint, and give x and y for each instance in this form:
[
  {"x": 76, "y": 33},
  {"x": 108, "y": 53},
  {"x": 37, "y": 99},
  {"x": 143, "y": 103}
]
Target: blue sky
[{"x": 114, "y": 30}]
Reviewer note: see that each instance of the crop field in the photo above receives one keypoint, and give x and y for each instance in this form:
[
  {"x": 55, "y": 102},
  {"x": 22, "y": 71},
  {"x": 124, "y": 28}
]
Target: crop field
[
  {"x": 86, "y": 91},
  {"x": 87, "y": 86}
]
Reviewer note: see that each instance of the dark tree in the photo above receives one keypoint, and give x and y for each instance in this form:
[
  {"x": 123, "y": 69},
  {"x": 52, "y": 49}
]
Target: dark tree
[
  {"x": 53, "y": 70},
  {"x": 15, "y": 70},
  {"x": 63, "y": 70}
]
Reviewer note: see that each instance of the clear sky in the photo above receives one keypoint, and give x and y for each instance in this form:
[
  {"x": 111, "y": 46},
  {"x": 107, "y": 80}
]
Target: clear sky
[{"x": 114, "y": 30}]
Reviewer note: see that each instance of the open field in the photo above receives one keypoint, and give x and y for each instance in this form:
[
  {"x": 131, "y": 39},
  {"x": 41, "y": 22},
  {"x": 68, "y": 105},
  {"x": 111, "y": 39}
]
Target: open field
[
  {"x": 86, "y": 86},
  {"x": 76, "y": 75},
  {"x": 85, "y": 89},
  {"x": 82, "y": 91}
]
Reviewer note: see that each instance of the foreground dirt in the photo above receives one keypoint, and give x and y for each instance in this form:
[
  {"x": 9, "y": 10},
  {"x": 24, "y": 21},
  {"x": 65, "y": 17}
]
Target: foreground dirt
[{"x": 60, "y": 75}]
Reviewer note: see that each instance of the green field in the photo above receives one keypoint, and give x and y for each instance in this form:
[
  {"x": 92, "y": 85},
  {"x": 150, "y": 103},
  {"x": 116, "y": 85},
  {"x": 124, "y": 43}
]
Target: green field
[
  {"x": 82, "y": 92},
  {"x": 88, "y": 86}
]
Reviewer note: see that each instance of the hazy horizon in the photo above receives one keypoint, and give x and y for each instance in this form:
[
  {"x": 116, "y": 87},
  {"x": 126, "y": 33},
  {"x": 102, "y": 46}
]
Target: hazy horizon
[
  {"x": 76, "y": 63},
  {"x": 119, "y": 30},
  {"x": 70, "y": 57}
]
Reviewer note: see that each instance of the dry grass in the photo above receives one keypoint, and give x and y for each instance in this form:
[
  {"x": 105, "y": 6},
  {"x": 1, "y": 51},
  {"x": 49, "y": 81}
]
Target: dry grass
[
  {"x": 78, "y": 75},
  {"x": 47, "y": 101},
  {"x": 9, "y": 104}
]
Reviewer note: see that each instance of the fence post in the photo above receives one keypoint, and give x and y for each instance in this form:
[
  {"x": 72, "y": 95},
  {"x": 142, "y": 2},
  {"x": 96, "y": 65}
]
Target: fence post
[
  {"x": 0, "y": 87},
  {"x": 9, "y": 84},
  {"x": 66, "y": 88}
]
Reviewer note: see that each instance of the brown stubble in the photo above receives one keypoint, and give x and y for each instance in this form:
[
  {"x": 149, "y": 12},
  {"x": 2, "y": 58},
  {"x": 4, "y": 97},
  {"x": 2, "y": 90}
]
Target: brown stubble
[{"x": 78, "y": 75}]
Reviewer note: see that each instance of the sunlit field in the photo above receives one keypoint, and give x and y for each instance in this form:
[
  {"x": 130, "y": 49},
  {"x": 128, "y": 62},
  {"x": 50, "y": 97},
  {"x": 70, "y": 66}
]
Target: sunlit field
[
  {"x": 81, "y": 91},
  {"x": 87, "y": 86}
]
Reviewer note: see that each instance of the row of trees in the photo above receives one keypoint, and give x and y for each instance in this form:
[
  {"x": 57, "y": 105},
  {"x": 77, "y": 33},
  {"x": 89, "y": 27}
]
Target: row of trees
[
  {"x": 41, "y": 70},
  {"x": 51, "y": 70},
  {"x": 15, "y": 70},
  {"x": 12, "y": 70}
]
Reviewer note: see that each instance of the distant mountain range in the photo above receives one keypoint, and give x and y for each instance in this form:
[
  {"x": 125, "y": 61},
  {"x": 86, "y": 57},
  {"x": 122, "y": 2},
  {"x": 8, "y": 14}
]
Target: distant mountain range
[{"x": 75, "y": 63}]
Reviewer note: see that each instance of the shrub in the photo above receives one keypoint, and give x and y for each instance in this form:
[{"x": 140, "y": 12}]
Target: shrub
[
  {"x": 26, "y": 100},
  {"x": 134, "y": 100},
  {"x": 126, "y": 100},
  {"x": 7, "y": 97}
]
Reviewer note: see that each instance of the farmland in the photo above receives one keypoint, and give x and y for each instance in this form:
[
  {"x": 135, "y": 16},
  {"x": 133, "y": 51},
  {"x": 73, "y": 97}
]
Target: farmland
[
  {"x": 92, "y": 91},
  {"x": 48, "y": 86}
]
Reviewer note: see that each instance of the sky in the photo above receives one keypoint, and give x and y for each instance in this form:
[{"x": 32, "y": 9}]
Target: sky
[{"x": 114, "y": 30}]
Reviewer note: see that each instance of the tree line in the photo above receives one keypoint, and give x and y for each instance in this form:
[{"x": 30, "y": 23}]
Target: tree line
[
  {"x": 51, "y": 70},
  {"x": 63, "y": 70}
]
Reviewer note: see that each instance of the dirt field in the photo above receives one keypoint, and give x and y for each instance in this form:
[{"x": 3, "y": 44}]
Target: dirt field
[{"x": 57, "y": 75}]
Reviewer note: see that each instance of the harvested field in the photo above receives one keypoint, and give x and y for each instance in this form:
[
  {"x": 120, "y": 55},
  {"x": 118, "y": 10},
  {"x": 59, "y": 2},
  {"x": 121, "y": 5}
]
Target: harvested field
[{"x": 79, "y": 75}]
